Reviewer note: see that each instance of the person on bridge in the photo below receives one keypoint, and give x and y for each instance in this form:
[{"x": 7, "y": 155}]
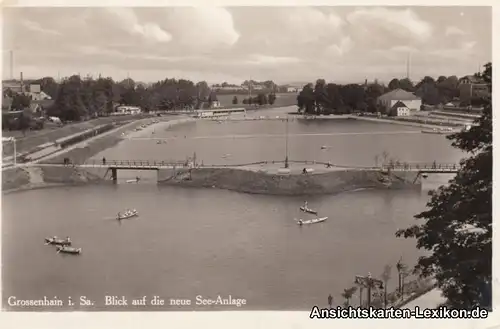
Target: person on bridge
[{"x": 103, "y": 160}]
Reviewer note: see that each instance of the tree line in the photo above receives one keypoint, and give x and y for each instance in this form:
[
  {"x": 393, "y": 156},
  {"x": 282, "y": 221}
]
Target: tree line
[
  {"x": 260, "y": 99},
  {"x": 76, "y": 98},
  {"x": 331, "y": 98}
]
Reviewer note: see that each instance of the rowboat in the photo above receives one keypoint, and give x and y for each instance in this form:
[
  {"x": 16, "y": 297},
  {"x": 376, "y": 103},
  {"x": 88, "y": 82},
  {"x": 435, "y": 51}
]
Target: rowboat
[
  {"x": 60, "y": 242},
  {"x": 311, "y": 221},
  {"x": 69, "y": 250},
  {"x": 310, "y": 211},
  {"x": 127, "y": 214},
  {"x": 440, "y": 131}
]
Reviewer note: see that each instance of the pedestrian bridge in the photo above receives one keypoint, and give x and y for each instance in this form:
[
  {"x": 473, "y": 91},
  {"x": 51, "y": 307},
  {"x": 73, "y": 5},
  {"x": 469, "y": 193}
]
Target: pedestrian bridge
[{"x": 433, "y": 167}]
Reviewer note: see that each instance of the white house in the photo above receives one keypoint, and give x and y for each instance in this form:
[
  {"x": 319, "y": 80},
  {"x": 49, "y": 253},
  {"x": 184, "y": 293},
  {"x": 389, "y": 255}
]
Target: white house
[
  {"x": 399, "y": 110},
  {"x": 124, "y": 109},
  {"x": 292, "y": 89},
  {"x": 215, "y": 104},
  {"x": 388, "y": 100}
]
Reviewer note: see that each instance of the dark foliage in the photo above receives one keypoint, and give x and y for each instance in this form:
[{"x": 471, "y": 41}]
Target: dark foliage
[{"x": 457, "y": 226}]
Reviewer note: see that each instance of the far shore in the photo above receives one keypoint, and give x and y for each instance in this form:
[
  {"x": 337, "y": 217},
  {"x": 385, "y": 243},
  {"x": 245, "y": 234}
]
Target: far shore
[{"x": 22, "y": 179}]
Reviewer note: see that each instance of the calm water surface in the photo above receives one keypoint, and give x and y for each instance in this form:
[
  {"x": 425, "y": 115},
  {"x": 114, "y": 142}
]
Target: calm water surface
[{"x": 190, "y": 242}]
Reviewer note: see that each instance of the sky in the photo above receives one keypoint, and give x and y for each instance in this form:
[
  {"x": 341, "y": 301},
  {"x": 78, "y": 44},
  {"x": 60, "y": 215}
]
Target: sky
[{"x": 233, "y": 44}]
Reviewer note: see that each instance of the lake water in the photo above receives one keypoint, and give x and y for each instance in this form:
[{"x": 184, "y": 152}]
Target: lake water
[{"x": 190, "y": 242}]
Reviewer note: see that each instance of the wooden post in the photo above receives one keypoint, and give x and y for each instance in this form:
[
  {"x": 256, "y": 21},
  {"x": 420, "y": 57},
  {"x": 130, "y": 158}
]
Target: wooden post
[{"x": 114, "y": 174}]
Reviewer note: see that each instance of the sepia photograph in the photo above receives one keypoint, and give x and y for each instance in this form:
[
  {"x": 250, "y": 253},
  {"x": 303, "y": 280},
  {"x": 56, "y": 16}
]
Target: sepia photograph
[{"x": 334, "y": 160}]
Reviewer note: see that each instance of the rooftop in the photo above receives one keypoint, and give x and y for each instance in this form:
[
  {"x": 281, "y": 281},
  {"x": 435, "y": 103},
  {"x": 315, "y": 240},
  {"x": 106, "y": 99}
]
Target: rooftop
[{"x": 398, "y": 94}]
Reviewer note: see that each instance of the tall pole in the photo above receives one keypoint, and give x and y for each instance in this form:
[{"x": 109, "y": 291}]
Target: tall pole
[
  {"x": 286, "y": 143},
  {"x": 408, "y": 67},
  {"x": 11, "y": 64}
]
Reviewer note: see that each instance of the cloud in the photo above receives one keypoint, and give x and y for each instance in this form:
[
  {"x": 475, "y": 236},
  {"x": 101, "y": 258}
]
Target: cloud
[
  {"x": 453, "y": 30},
  {"x": 343, "y": 47},
  {"x": 201, "y": 28},
  {"x": 273, "y": 60},
  {"x": 392, "y": 21},
  {"x": 295, "y": 43},
  {"x": 128, "y": 21},
  {"x": 35, "y": 27}
]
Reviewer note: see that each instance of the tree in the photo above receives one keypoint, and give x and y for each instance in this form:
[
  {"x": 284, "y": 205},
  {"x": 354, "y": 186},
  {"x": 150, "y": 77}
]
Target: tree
[
  {"x": 20, "y": 102},
  {"x": 271, "y": 98},
  {"x": 386, "y": 275},
  {"x": 394, "y": 84},
  {"x": 457, "y": 226},
  {"x": 441, "y": 79},
  {"x": 235, "y": 100},
  {"x": 347, "y": 295},
  {"x": 306, "y": 100},
  {"x": 319, "y": 95},
  {"x": 261, "y": 99},
  {"x": 406, "y": 84}
]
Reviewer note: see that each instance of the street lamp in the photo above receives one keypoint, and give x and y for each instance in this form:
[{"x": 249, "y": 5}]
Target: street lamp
[{"x": 286, "y": 143}]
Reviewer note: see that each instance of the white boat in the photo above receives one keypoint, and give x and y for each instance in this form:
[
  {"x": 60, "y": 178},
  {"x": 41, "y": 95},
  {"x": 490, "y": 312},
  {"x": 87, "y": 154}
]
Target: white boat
[
  {"x": 69, "y": 250},
  {"x": 305, "y": 209},
  {"x": 127, "y": 214},
  {"x": 311, "y": 221},
  {"x": 439, "y": 131},
  {"x": 324, "y": 147}
]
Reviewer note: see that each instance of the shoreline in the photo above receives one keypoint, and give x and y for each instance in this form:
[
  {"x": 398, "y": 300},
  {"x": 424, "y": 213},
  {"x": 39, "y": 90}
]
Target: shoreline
[
  {"x": 238, "y": 180},
  {"x": 244, "y": 180}
]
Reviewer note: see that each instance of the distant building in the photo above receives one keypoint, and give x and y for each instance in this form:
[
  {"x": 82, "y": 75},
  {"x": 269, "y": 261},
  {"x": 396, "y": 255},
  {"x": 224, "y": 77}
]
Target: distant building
[
  {"x": 399, "y": 109},
  {"x": 292, "y": 89},
  {"x": 388, "y": 100},
  {"x": 124, "y": 109},
  {"x": 471, "y": 87},
  {"x": 215, "y": 104}
]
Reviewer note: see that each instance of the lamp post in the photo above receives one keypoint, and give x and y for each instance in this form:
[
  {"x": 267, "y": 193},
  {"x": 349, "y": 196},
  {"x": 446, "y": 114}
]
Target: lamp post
[
  {"x": 286, "y": 143},
  {"x": 369, "y": 283}
]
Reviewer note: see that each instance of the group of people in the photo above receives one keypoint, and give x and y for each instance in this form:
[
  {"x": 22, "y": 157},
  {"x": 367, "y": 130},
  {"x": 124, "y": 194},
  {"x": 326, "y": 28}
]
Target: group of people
[{"x": 66, "y": 240}]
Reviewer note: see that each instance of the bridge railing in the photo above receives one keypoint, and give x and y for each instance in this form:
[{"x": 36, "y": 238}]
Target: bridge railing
[
  {"x": 422, "y": 166},
  {"x": 135, "y": 163},
  {"x": 172, "y": 163}
]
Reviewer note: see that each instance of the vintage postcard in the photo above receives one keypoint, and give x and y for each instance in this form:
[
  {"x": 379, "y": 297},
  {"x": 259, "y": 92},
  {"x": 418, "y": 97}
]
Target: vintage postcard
[{"x": 329, "y": 160}]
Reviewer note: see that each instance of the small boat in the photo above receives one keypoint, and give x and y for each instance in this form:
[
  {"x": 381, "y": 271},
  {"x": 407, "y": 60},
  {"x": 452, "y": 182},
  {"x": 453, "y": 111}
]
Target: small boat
[
  {"x": 324, "y": 147},
  {"x": 311, "y": 221},
  {"x": 69, "y": 250},
  {"x": 310, "y": 211},
  {"x": 127, "y": 214},
  {"x": 133, "y": 180},
  {"x": 440, "y": 131},
  {"x": 60, "y": 242}
]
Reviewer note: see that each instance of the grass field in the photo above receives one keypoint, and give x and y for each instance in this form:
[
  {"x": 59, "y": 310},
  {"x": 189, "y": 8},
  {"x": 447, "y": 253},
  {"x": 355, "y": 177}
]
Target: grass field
[{"x": 282, "y": 99}]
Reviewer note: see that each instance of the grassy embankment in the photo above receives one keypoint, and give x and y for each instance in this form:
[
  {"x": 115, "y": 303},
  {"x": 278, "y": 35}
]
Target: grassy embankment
[
  {"x": 35, "y": 139},
  {"x": 249, "y": 181}
]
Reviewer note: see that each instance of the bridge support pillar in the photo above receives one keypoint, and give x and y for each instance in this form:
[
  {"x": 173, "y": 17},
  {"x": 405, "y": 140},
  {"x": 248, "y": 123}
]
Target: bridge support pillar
[{"x": 114, "y": 174}]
